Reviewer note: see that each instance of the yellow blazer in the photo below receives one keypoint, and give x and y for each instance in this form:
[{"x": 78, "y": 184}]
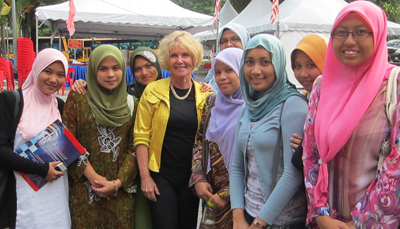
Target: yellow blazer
[{"x": 153, "y": 115}]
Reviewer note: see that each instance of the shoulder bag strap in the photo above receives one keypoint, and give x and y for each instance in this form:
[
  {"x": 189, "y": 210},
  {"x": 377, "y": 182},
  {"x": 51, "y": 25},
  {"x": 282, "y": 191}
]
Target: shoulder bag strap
[
  {"x": 205, "y": 148},
  {"x": 278, "y": 146}
]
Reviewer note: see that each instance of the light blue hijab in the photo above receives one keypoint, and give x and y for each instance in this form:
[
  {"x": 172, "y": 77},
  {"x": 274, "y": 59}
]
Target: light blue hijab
[
  {"x": 281, "y": 89},
  {"x": 239, "y": 30}
]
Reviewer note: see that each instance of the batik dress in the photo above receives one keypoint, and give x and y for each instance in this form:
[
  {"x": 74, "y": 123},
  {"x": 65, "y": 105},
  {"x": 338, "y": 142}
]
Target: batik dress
[
  {"x": 111, "y": 154},
  {"x": 218, "y": 175},
  {"x": 355, "y": 192}
]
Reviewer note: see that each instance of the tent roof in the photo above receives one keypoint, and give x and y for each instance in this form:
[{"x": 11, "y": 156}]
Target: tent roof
[
  {"x": 227, "y": 13},
  {"x": 150, "y": 19}
]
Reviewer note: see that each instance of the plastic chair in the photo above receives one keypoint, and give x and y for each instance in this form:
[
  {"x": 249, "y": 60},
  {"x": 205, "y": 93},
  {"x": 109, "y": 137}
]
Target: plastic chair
[
  {"x": 8, "y": 75},
  {"x": 25, "y": 59},
  {"x": 69, "y": 79},
  {"x": 2, "y": 72}
]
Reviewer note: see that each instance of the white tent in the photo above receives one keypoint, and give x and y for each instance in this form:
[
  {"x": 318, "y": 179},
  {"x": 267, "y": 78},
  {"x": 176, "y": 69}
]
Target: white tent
[
  {"x": 226, "y": 14},
  {"x": 150, "y": 19}
]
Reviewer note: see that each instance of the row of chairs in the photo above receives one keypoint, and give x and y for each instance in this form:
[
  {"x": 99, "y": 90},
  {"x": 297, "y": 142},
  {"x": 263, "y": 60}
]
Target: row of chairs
[{"x": 6, "y": 72}]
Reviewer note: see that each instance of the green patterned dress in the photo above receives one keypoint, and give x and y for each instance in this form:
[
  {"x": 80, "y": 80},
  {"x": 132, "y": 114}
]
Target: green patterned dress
[{"x": 111, "y": 154}]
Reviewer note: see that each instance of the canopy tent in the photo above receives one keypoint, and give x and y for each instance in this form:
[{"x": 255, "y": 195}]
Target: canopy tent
[
  {"x": 150, "y": 19},
  {"x": 227, "y": 13}
]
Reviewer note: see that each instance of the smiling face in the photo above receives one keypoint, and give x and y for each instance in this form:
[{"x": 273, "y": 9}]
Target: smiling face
[
  {"x": 51, "y": 78},
  {"x": 180, "y": 62},
  {"x": 109, "y": 73},
  {"x": 145, "y": 72},
  {"x": 230, "y": 39},
  {"x": 226, "y": 78},
  {"x": 258, "y": 69},
  {"x": 353, "y": 52},
  {"x": 305, "y": 69}
]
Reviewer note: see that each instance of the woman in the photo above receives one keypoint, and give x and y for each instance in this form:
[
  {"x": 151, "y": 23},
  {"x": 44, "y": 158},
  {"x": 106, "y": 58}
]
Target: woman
[
  {"x": 273, "y": 111},
  {"x": 345, "y": 129},
  {"x": 20, "y": 205},
  {"x": 102, "y": 181},
  {"x": 219, "y": 135},
  {"x": 307, "y": 63},
  {"x": 232, "y": 35},
  {"x": 169, "y": 114}
]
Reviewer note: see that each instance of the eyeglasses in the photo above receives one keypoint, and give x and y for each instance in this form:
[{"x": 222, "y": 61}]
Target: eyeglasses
[
  {"x": 358, "y": 34},
  {"x": 232, "y": 40}
]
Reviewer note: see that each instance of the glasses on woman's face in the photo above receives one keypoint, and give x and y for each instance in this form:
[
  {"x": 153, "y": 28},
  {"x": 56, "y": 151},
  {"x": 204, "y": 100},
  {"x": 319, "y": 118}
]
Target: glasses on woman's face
[
  {"x": 232, "y": 40},
  {"x": 358, "y": 34}
]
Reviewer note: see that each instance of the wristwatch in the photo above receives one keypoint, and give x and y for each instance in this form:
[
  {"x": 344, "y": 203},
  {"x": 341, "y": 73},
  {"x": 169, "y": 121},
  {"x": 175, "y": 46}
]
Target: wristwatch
[{"x": 257, "y": 224}]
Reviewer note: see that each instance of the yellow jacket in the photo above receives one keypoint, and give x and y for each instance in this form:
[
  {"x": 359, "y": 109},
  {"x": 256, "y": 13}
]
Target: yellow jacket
[{"x": 153, "y": 115}]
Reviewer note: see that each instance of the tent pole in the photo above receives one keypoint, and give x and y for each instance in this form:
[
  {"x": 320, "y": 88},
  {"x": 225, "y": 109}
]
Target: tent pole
[
  {"x": 216, "y": 40},
  {"x": 37, "y": 34},
  {"x": 14, "y": 23}
]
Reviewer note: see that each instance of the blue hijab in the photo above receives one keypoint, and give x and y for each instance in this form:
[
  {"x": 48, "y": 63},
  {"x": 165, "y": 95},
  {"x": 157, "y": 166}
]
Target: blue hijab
[{"x": 281, "y": 88}]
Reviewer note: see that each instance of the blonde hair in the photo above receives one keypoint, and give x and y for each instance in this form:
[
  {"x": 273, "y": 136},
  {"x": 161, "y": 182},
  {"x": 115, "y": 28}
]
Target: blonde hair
[{"x": 184, "y": 40}]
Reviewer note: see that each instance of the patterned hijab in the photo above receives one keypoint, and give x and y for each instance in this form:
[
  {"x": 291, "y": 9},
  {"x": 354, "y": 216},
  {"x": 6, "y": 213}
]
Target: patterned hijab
[
  {"x": 281, "y": 88},
  {"x": 347, "y": 92},
  {"x": 152, "y": 58},
  {"x": 40, "y": 109},
  {"x": 239, "y": 30},
  {"x": 109, "y": 107},
  {"x": 314, "y": 45},
  {"x": 225, "y": 112}
]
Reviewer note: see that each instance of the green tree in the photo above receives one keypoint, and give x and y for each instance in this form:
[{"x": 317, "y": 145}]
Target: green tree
[{"x": 204, "y": 6}]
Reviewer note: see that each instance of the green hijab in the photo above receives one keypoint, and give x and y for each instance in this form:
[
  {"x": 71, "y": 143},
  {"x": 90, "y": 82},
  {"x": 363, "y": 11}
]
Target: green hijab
[
  {"x": 109, "y": 107},
  {"x": 281, "y": 89},
  {"x": 151, "y": 57}
]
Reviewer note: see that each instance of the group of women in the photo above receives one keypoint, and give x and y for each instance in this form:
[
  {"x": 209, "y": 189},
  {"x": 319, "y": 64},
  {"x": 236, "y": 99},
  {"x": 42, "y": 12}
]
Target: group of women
[{"x": 147, "y": 152}]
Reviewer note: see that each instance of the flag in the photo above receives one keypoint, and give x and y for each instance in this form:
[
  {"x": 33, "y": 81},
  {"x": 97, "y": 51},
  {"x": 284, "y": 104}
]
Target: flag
[
  {"x": 71, "y": 15},
  {"x": 275, "y": 11},
  {"x": 216, "y": 13}
]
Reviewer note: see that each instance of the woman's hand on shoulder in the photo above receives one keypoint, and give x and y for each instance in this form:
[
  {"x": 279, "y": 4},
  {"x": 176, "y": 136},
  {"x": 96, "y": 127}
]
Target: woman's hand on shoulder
[
  {"x": 295, "y": 141},
  {"x": 326, "y": 222},
  {"x": 52, "y": 173},
  {"x": 149, "y": 188},
  {"x": 203, "y": 190},
  {"x": 205, "y": 87},
  {"x": 79, "y": 86}
]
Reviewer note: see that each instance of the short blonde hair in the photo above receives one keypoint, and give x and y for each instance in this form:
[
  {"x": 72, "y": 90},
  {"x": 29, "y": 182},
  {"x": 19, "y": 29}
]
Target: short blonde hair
[{"x": 184, "y": 40}]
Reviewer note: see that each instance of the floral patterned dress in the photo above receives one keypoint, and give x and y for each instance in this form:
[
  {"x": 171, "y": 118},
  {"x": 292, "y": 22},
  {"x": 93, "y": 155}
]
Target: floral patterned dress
[
  {"x": 111, "y": 153},
  {"x": 218, "y": 175},
  {"x": 355, "y": 191}
]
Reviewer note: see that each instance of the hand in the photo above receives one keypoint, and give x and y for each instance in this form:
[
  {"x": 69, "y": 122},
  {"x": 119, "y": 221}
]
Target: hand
[
  {"x": 97, "y": 178},
  {"x": 351, "y": 225},
  {"x": 221, "y": 203},
  {"x": 326, "y": 222},
  {"x": 203, "y": 190},
  {"x": 79, "y": 86},
  {"x": 206, "y": 87},
  {"x": 53, "y": 174},
  {"x": 149, "y": 188},
  {"x": 295, "y": 141},
  {"x": 106, "y": 189},
  {"x": 238, "y": 219}
]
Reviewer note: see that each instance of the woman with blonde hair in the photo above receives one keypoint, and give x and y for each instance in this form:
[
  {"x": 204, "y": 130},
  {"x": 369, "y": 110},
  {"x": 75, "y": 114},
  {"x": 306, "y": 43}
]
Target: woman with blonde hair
[{"x": 169, "y": 114}]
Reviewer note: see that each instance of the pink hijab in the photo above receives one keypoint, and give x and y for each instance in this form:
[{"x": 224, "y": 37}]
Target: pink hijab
[
  {"x": 40, "y": 109},
  {"x": 347, "y": 92}
]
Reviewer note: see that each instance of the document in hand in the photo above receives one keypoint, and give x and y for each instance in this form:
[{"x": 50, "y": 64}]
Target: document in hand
[{"x": 55, "y": 143}]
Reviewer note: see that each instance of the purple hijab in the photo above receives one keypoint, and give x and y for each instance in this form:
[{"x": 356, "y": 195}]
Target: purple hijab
[{"x": 222, "y": 126}]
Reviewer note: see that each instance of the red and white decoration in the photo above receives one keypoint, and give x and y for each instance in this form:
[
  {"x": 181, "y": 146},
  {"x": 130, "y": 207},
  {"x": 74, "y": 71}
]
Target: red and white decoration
[{"x": 275, "y": 11}]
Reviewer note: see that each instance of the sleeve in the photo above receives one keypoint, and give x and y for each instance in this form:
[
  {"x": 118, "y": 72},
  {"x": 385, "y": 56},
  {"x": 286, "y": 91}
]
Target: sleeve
[
  {"x": 143, "y": 121},
  {"x": 129, "y": 169},
  {"x": 293, "y": 116},
  {"x": 8, "y": 159},
  {"x": 197, "y": 165},
  {"x": 380, "y": 205},
  {"x": 237, "y": 176},
  {"x": 70, "y": 120},
  {"x": 311, "y": 156}
]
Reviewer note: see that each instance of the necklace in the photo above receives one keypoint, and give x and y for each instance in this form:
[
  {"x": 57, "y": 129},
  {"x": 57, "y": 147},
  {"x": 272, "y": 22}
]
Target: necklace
[{"x": 180, "y": 97}]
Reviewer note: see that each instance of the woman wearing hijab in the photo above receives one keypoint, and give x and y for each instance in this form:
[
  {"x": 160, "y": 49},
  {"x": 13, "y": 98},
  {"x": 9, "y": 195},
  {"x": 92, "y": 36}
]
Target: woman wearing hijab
[
  {"x": 273, "y": 111},
  {"x": 102, "y": 181},
  {"x": 20, "y": 205},
  {"x": 220, "y": 136},
  {"x": 347, "y": 124},
  {"x": 232, "y": 35},
  {"x": 307, "y": 63}
]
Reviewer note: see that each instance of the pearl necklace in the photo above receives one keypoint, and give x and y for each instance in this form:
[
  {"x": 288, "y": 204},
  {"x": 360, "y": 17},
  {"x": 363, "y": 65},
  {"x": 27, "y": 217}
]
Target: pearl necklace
[{"x": 180, "y": 97}]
